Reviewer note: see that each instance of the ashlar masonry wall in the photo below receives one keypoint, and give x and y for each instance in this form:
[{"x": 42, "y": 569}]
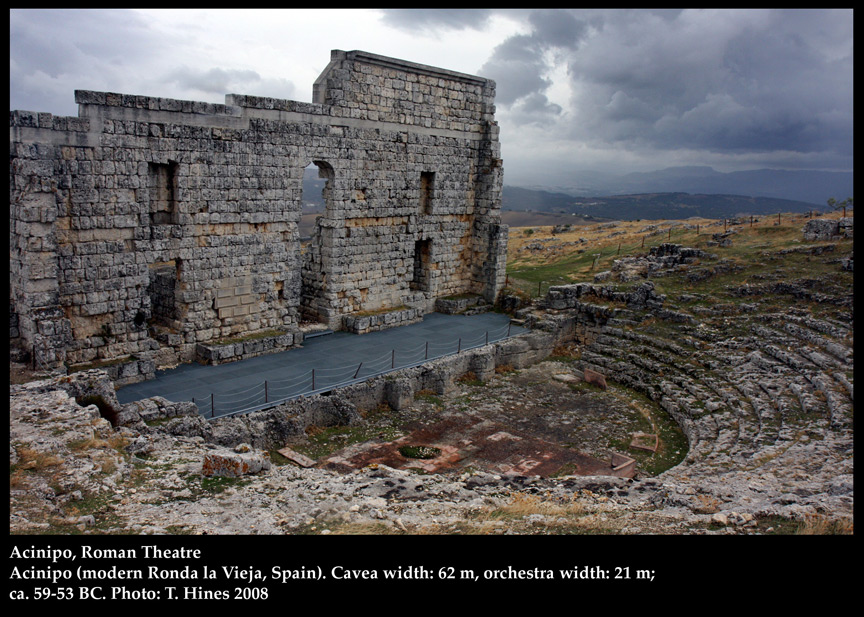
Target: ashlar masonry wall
[{"x": 146, "y": 225}]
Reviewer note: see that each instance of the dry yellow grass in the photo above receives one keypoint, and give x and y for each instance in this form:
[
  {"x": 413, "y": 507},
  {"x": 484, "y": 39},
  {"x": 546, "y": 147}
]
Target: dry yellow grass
[
  {"x": 35, "y": 460},
  {"x": 597, "y": 238},
  {"x": 524, "y": 505},
  {"x": 537, "y": 258},
  {"x": 816, "y": 525},
  {"x": 627, "y": 234}
]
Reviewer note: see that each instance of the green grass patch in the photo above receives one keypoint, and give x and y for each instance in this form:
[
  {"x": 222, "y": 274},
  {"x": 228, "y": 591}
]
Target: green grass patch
[
  {"x": 217, "y": 484},
  {"x": 430, "y": 397},
  {"x": 324, "y": 441},
  {"x": 419, "y": 452}
]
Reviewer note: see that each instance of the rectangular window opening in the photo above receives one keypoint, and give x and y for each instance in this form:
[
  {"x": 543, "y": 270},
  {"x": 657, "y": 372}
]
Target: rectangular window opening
[
  {"x": 163, "y": 184},
  {"x": 427, "y": 186}
]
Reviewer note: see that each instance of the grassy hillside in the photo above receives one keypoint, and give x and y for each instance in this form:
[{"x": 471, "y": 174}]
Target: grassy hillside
[
  {"x": 538, "y": 259},
  {"x": 677, "y": 205}
]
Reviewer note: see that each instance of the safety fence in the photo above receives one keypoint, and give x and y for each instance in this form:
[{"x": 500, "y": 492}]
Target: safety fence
[{"x": 270, "y": 393}]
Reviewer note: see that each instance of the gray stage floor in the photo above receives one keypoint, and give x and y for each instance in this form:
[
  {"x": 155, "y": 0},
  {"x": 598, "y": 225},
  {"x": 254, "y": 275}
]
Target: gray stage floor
[{"x": 322, "y": 362}]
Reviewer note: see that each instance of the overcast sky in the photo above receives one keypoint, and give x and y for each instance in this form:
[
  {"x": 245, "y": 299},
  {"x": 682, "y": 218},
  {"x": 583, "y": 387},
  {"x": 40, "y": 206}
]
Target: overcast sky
[{"x": 606, "y": 90}]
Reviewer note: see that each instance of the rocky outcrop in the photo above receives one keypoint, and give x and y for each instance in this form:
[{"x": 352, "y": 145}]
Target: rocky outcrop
[{"x": 828, "y": 229}]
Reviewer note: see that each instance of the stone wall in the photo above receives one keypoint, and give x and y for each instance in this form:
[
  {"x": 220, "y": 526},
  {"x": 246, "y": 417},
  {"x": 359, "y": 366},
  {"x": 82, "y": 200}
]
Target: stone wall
[
  {"x": 146, "y": 222},
  {"x": 362, "y": 324}
]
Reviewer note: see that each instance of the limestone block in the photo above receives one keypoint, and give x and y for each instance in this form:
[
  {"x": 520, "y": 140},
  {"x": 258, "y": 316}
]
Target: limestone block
[
  {"x": 595, "y": 378},
  {"x": 233, "y": 464}
]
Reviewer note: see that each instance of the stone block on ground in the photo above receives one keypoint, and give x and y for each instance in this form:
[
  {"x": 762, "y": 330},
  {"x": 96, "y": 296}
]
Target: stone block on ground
[
  {"x": 233, "y": 464},
  {"x": 595, "y": 378}
]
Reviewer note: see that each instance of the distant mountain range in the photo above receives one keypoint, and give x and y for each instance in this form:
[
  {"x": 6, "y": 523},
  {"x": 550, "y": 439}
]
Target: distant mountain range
[
  {"x": 814, "y": 187},
  {"x": 649, "y": 205},
  {"x": 682, "y": 192}
]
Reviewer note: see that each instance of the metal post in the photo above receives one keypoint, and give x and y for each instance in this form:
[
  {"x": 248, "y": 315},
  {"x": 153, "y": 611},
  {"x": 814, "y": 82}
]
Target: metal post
[
  {"x": 393, "y": 359},
  {"x": 670, "y": 234},
  {"x": 459, "y": 347},
  {"x": 778, "y": 218},
  {"x": 508, "y": 330},
  {"x": 357, "y": 372},
  {"x": 538, "y": 287},
  {"x": 619, "y": 249},
  {"x": 212, "y": 405},
  {"x": 751, "y": 220},
  {"x": 313, "y": 378},
  {"x": 266, "y": 393},
  {"x": 487, "y": 337}
]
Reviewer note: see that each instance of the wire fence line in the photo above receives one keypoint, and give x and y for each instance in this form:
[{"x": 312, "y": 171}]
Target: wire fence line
[{"x": 270, "y": 393}]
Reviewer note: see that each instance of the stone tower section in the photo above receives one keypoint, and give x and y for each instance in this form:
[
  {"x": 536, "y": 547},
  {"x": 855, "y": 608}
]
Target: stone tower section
[
  {"x": 414, "y": 210},
  {"x": 145, "y": 226}
]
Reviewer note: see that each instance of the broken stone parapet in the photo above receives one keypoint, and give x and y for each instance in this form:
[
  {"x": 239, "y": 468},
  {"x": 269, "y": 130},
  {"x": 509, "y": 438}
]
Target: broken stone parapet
[
  {"x": 154, "y": 409},
  {"x": 361, "y": 324},
  {"x": 456, "y": 306},
  {"x": 231, "y": 352}
]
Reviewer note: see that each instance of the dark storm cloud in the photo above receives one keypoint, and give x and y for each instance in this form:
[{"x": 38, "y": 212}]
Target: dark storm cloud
[
  {"x": 726, "y": 82},
  {"x": 534, "y": 109},
  {"x": 520, "y": 65},
  {"x": 458, "y": 19},
  {"x": 554, "y": 27},
  {"x": 721, "y": 81},
  {"x": 517, "y": 66}
]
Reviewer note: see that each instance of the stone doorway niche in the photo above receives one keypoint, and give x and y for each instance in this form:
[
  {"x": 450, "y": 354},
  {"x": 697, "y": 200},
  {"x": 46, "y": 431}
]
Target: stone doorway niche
[
  {"x": 164, "y": 274},
  {"x": 163, "y": 190},
  {"x": 427, "y": 188},
  {"x": 420, "y": 278},
  {"x": 317, "y": 255},
  {"x": 162, "y": 292}
]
